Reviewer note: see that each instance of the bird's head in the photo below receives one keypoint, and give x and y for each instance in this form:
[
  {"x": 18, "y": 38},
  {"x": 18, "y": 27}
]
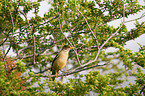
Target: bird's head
[{"x": 67, "y": 48}]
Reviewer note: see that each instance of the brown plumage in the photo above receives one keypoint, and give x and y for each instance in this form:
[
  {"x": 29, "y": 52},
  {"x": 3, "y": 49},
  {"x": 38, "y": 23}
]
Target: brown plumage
[{"x": 60, "y": 60}]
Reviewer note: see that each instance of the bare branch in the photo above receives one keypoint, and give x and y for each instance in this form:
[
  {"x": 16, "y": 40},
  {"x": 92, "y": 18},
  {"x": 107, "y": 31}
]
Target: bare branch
[
  {"x": 35, "y": 55},
  {"x": 24, "y": 49},
  {"x": 8, "y": 50},
  {"x": 43, "y": 71},
  {"x": 86, "y": 68},
  {"x": 76, "y": 51},
  {"x": 34, "y": 46},
  {"x": 88, "y": 25},
  {"x": 99, "y": 49},
  {"x": 136, "y": 28},
  {"x": 7, "y": 36},
  {"x": 4, "y": 41},
  {"x": 41, "y": 53},
  {"x": 11, "y": 38},
  {"x": 143, "y": 15},
  {"x": 69, "y": 42},
  {"x": 12, "y": 23},
  {"x": 142, "y": 89},
  {"x": 34, "y": 49},
  {"x": 47, "y": 21}
]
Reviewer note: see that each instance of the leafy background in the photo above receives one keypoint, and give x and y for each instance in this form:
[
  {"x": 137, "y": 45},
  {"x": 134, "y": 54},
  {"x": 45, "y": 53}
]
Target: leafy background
[{"x": 99, "y": 65}]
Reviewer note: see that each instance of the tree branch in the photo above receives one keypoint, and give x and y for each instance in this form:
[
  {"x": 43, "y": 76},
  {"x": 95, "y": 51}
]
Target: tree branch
[
  {"x": 142, "y": 89},
  {"x": 69, "y": 42},
  {"x": 24, "y": 49},
  {"x": 99, "y": 49},
  {"x": 12, "y": 24},
  {"x": 8, "y": 50},
  {"x": 41, "y": 53},
  {"x": 86, "y": 68},
  {"x": 7, "y": 36},
  {"x": 47, "y": 21},
  {"x": 35, "y": 55},
  {"x": 143, "y": 15},
  {"x": 34, "y": 46},
  {"x": 88, "y": 25}
]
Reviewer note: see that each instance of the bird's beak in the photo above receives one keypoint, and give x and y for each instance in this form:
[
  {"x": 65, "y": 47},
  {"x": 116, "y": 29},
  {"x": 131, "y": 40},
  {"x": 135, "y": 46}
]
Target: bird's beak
[{"x": 71, "y": 47}]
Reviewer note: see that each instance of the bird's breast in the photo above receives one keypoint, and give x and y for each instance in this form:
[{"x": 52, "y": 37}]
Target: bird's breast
[{"x": 60, "y": 62}]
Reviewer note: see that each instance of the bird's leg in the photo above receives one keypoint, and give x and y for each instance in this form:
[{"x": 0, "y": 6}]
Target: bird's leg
[
  {"x": 56, "y": 74},
  {"x": 64, "y": 72}
]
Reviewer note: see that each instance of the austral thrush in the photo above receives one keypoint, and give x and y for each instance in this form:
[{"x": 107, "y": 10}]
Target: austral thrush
[{"x": 60, "y": 60}]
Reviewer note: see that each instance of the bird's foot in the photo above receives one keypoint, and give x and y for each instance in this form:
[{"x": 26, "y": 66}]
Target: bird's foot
[
  {"x": 56, "y": 74},
  {"x": 64, "y": 72}
]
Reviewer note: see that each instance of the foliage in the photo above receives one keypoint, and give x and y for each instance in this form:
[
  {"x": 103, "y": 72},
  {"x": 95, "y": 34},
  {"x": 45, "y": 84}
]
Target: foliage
[{"x": 85, "y": 22}]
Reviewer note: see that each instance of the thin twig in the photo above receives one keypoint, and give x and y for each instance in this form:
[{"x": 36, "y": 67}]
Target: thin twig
[
  {"x": 4, "y": 41},
  {"x": 142, "y": 89},
  {"x": 69, "y": 42},
  {"x": 43, "y": 70},
  {"x": 8, "y": 50},
  {"x": 41, "y": 53},
  {"x": 7, "y": 36},
  {"x": 47, "y": 21},
  {"x": 88, "y": 25},
  {"x": 34, "y": 48},
  {"x": 136, "y": 28},
  {"x": 76, "y": 52},
  {"x": 143, "y": 15},
  {"x": 11, "y": 38},
  {"x": 24, "y": 49},
  {"x": 12, "y": 23},
  {"x": 99, "y": 49},
  {"x": 27, "y": 56},
  {"x": 86, "y": 68}
]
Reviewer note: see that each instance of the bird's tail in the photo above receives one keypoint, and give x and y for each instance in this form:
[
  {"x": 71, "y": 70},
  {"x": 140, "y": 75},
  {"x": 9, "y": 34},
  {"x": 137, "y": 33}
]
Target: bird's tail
[{"x": 53, "y": 73}]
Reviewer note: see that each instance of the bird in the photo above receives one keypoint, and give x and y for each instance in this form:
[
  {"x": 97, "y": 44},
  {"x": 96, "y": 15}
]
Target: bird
[{"x": 60, "y": 60}]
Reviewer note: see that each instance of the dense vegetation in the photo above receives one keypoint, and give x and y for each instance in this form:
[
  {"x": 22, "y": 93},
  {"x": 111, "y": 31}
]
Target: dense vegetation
[{"x": 82, "y": 24}]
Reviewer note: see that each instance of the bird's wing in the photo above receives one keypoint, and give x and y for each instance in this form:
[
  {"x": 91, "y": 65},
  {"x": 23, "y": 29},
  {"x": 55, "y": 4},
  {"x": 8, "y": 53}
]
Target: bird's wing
[{"x": 54, "y": 59}]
